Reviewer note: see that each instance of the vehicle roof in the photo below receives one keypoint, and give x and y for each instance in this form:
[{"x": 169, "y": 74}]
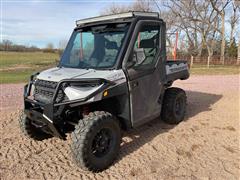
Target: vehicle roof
[{"x": 120, "y": 17}]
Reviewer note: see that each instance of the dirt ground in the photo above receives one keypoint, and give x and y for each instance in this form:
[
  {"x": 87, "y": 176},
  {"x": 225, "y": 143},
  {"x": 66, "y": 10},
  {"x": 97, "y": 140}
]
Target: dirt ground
[{"x": 204, "y": 146}]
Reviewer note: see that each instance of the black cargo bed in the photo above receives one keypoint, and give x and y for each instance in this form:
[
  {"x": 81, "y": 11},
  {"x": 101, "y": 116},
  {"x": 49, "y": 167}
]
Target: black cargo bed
[{"x": 176, "y": 70}]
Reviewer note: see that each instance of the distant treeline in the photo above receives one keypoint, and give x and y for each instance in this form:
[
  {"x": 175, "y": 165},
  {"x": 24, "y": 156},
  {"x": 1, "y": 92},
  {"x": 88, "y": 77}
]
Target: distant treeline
[
  {"x": 7, "y": 45},
  {"x": 231, "y": 50}
]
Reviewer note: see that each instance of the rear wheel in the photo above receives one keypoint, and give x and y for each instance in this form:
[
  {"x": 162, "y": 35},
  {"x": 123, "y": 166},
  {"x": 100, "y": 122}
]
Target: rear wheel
[
  {"x": 96, "y": 141},
  {"x": 30, "y": 130},
  {"x": 174, "y": 105}
]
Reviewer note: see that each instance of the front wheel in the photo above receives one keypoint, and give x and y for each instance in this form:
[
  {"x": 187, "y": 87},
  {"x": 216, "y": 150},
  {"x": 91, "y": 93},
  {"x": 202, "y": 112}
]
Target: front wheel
[
  {"x": 174, "y": 105},
  {"x": 29, "y": 130},
  {"x": 96, "y": 141}
]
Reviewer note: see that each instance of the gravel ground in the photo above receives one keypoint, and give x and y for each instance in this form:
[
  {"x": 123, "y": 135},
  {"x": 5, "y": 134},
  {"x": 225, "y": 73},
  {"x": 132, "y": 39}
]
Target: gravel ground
[{"x": 204, "y": 146}]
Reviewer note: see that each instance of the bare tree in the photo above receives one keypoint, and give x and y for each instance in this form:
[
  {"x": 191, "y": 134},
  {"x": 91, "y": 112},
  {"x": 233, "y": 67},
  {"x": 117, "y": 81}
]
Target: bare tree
[
  {"x": 180, "y": 12},
  {"x": 219, "y": 7},
  {"x": 171, "y": 27},
  {"x": 207, "y": 24},
  {"x": 114, "y": 9},
  {"x": 197, "y": 20},
  {"x": 49, "y": 46},
  {"x": 234, "y": 19},
  {"x": 138, "y": 5},
  {"x": 6, "y": 44},
  {"x": 143, "y": 5},
  {"x": 238, "y": 60}
]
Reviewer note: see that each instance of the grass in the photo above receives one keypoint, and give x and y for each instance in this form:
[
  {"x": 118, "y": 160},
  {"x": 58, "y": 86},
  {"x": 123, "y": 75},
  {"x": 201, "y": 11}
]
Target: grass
[
  {"x": 15, "y": 77},
  {"x": 16, "y": 67},
  {"x": 215, "y": 70},
  {"x": 30, "y": 59}
]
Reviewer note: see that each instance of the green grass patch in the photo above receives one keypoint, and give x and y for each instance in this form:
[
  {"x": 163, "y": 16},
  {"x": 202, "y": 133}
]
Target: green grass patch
[
  {"x": 15, "y": 59},
  {"x": 15, "y": 76},
  {"x": 16, "y": 67}
]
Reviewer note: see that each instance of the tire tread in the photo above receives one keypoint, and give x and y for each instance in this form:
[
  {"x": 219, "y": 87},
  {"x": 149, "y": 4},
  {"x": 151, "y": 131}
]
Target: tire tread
[
  {"x": 29, "y": 130},
  {"x": 81, "y": 135},
  {"x": 167, "y": 113}
]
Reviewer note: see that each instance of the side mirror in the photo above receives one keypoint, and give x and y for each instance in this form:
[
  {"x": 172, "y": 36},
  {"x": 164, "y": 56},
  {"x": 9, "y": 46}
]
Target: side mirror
[
  {"x": 137, "y": 57},
  {"x": 140, "y": 55}
]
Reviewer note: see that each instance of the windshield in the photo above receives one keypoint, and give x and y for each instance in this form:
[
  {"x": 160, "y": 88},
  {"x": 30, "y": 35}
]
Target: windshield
[{"x": 94, "y": 47}]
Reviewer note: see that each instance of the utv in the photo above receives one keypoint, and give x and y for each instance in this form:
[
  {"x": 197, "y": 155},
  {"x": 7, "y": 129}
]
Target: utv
[{"x": 113, "y": 76}]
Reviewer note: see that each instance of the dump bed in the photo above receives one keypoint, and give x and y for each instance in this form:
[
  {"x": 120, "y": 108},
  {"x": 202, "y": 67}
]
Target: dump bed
[{"x": 176, "y": 70}]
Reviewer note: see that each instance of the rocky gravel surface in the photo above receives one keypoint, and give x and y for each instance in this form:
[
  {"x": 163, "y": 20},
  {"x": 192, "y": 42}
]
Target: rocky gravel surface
[{"x": 204, "y": 146}]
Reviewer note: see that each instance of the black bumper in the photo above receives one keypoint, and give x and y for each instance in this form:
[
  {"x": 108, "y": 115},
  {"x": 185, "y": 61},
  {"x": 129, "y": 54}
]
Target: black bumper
[
  {"x": 43, "y": 121},
  {"x": 44, "y": 115}
]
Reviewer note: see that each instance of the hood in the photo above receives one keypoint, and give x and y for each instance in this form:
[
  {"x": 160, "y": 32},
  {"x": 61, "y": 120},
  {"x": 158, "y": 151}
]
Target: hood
[{"x": 57, "y": 74}]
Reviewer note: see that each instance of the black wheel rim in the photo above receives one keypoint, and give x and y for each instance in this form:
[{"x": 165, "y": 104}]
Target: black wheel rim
[
  {"x": 179, "y": 106},
  {"x": 102, "y": 142}
]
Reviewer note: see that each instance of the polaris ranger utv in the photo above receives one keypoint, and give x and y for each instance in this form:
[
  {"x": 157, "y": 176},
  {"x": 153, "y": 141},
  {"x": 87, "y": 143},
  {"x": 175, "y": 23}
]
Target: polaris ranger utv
[{"x": 112, "y": 76}]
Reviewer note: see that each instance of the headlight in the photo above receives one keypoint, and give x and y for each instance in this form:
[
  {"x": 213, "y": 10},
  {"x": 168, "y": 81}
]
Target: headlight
[{"x": 80, "y": 92}]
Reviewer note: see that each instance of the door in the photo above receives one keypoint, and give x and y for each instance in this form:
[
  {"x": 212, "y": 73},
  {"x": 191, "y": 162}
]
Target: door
[{"x": 144, "y": 74}]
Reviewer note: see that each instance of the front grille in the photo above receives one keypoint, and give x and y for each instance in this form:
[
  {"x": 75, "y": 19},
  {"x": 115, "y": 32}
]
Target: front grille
[
  {"x": 47, "y": 84},
  {"x": 44, "y": 91}
]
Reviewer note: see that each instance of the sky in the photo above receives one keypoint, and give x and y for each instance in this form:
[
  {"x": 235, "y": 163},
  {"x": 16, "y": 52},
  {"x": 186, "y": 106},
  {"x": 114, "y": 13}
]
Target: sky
[{"x": 38, "y": 22}]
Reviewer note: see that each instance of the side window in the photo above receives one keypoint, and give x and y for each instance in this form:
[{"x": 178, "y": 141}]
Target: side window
[
  {"x": 112, "y": 45},
  {"x": 146, "y": 46}
]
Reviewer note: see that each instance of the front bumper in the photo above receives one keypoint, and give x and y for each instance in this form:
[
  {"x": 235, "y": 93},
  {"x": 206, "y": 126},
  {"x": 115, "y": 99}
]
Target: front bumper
[
  {"x": 46, "y": 116},
  {"x": 41, "y": 118}
]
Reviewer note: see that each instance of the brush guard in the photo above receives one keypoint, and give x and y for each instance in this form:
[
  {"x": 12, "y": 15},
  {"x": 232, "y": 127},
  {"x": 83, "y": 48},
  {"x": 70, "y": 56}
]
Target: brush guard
[{"x": 45, "y": 115}]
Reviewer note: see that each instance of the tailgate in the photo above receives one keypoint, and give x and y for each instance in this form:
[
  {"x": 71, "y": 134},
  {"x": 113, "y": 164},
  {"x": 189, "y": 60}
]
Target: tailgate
[{"x": 177, "y": 70}]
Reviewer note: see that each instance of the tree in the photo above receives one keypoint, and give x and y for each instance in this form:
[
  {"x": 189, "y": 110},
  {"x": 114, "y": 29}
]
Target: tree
[
  {"x": 6, "y": 44},
  {"x": 232, "y": 49},
  {"x": 206, "y": 24},
  {"x": 180, "y": 13},
  {"x": 114, "y": 9},
  {"x": 142, "y": 5},
  {"x": 238, "y": 60},
  {"x": 138, "y": 5},
  {"x": 219, "y": 7},
  {"x": 234, "y": 19},
  {"x": 198, "y": 21},
  {"x": 49, "y": 46}
]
